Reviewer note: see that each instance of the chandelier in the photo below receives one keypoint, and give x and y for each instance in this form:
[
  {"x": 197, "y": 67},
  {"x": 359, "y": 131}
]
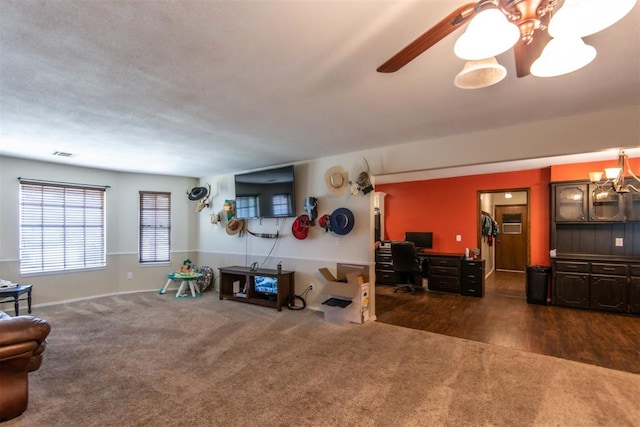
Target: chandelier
[
  {"x": 499, "y": 25},
  {"x": 615, "y": 176}
]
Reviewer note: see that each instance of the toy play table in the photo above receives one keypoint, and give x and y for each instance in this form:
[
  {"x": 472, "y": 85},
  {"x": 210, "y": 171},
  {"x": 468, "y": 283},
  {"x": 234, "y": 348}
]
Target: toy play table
[{"x": 186, "y": 281}]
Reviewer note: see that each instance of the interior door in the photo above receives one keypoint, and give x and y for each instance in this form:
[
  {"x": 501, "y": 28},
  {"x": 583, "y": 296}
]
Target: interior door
[{"x": 512, "y": 242}]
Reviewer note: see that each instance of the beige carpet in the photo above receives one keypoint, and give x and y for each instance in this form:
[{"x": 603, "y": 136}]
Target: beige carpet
[{"x": 146, "y": 359}]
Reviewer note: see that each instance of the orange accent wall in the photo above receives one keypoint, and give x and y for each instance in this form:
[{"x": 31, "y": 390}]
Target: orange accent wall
[
  {"x": 449, "y": 206},
  {"x": 580, "y": 171}
]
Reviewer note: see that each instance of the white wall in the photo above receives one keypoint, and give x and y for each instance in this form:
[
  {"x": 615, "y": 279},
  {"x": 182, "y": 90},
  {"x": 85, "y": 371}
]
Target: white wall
[
  {"x": 193, "y": 235},
  {"x": 121, "y": 227},
  {"x": 320, "y": 249}
]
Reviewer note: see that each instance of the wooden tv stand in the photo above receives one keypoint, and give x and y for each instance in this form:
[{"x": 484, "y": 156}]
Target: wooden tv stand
[{"x": 244, "y": 275}]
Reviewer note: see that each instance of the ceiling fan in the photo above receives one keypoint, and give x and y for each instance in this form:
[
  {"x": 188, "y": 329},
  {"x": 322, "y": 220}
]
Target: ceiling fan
[{"x": 526, "y": 25}]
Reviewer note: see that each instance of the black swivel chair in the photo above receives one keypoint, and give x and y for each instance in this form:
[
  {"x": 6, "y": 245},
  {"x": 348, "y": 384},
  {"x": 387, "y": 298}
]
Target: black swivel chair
[{"x": 405, "y": 264}]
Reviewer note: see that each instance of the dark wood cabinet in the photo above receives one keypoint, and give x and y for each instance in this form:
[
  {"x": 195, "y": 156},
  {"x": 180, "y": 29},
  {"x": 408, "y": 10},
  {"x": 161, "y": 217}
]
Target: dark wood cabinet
[
  {"x": 586, "y": 202},
  {"x": 571, "y": 289},
  {"x": 239, "y": 284},
  {"x": 570, "y": 202},
  {"x": 632, "y": 206},
  {"x": 607, "y": 286},
  {"x": 596, "y": 256},
  {"x": 472, "y": 278},
  {"x": 609, "y": 293},
  {"x": 633, "y": 295},
  {"x": 633, "y": 289},
  {"x": 384, "y": 265},
  {"x": 444, "y": 272},
  {"x": 605, "y": 205}
]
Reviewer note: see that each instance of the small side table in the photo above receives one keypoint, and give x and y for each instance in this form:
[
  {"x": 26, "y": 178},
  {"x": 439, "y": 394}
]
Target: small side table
[{"x": 15, "y": 294}]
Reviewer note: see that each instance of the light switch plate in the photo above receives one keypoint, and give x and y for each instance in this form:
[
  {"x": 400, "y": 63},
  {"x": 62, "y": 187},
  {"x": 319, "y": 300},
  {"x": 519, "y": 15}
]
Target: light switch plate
[{"x": 619, "y": 241}]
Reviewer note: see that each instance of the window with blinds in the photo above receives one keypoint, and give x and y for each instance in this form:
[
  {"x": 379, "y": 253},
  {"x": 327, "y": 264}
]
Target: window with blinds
[
  {"x": 62, "y": 227},
  {"x": 281, "y": 204},
  {"x": 247, "y": 207},
  {"x": 155, "y": 227}
]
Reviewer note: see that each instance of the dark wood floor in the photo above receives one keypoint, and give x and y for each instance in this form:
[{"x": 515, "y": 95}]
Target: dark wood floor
[{"x": 503, "y": 317}]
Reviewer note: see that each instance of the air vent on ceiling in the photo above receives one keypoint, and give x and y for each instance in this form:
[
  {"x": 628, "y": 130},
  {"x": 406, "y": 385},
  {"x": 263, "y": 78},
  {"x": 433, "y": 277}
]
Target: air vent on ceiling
[{"x": 62, "y": 154}]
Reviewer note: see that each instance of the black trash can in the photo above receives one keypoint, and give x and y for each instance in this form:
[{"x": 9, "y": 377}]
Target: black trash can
[{"x": 538, "y": 284}]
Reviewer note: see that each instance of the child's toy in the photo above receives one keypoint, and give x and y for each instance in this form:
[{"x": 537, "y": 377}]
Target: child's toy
[{"x": 187, "y": 267}]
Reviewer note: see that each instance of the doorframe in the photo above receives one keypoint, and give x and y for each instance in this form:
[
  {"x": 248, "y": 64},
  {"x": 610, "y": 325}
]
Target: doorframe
[{"x": 479, "y": 211}]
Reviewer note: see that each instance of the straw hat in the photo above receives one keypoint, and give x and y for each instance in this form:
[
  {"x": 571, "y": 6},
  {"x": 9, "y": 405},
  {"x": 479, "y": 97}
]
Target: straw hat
[
  {"x": 336, "y": 180},
  {"x": 234, "y": 226}
]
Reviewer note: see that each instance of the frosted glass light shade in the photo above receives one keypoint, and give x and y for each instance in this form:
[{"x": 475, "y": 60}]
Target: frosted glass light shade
[
  {"x": 595, "y": 176},
  {"x": 488, "y": 34},
  {"x": 562, "y": 56},
  {"x": 612, "y": 173},
  {"x": 585, "y": 17},
  {"x": 479, "y": 74}
]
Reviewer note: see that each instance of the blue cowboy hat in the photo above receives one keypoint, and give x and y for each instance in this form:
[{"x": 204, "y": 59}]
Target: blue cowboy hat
[{"x": 341, "y": 221}]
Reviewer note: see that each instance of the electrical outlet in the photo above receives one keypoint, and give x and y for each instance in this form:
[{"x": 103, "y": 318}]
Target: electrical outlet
[
  {"x": 130, "y": 275},
  {"x": 458, "y": 238},
  {"x": 619, "y": 241}
]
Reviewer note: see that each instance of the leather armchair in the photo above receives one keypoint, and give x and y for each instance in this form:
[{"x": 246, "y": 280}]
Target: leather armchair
[{"x": 22, "y": 342}]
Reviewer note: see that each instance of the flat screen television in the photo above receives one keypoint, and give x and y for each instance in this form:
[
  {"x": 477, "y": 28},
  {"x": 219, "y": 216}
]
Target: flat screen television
[
  {"x": 422, "y": 239},
  {"x": 266, "y": 285},
  {"x": 267, "y": 193}
]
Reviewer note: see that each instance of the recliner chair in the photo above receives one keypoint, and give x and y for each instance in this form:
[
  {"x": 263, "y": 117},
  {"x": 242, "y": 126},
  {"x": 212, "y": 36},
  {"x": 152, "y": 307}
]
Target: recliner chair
[
  {"x": 405, "y": 264},
  {"x": 22, "y": 342}
]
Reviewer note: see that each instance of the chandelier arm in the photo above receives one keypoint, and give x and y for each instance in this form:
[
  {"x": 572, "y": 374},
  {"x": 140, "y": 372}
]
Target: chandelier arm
[{"x": 626, "y": 159}]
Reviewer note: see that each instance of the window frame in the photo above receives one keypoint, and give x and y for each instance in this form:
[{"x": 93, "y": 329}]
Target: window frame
[
  {"x": 160, "y": 229},
  {"x": 62, "y": 227}
]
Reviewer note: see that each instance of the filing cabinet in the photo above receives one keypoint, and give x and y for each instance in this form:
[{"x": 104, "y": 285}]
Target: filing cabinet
[
  {"x": 472, "y": 278},
  {"x": 384, "y": 265}
]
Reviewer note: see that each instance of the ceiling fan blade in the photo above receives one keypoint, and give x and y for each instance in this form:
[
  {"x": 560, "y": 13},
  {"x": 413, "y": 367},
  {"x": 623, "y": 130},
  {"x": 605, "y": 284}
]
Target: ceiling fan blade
[
  {"x": 526, "y": 54},
  {"x": 436, "y": 33}
]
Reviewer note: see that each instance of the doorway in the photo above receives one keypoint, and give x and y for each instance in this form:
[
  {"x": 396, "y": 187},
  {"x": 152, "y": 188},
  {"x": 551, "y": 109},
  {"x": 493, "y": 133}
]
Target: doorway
[{"x": 509, "y": 248}]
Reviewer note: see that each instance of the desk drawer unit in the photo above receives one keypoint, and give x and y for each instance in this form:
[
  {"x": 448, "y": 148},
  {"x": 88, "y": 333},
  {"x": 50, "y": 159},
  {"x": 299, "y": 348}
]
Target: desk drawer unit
[
  {"x": 444, "y": 273},
  {"x": 384, "y": 265},
  {"x": 472, "y": 278}
]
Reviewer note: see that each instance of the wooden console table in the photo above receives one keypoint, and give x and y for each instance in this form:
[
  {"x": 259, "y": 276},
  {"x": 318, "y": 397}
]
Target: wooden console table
[{"x": 245, "y": 289}]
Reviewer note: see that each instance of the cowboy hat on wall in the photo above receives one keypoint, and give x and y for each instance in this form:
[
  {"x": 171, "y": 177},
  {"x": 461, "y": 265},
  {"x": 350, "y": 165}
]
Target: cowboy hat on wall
[
  {"x": 341, "y": 221},
  {"x": 235, "y": 226},
  {"x": 300, "y": 227},
  {"x": 201, "y": 195},
  {"x": 337, "y": 180}
]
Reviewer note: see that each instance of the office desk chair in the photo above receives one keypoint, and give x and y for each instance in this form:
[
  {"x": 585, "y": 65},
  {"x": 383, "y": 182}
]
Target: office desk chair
[{"x": 405, "y": 264}]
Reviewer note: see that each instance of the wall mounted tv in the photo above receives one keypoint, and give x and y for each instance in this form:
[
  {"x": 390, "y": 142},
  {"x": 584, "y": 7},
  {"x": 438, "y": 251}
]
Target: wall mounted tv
[
  {"x": 267, "y": 193},
  {"x": 422, "y": 239}
]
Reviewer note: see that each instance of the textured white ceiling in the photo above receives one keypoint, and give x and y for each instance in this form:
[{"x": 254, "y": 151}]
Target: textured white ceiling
[{"x": 200, "y": 87}]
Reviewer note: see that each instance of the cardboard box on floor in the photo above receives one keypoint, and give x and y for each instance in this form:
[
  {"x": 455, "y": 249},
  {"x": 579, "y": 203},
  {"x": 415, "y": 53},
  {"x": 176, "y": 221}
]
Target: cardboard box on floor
[{"x": 351, "y": 283}]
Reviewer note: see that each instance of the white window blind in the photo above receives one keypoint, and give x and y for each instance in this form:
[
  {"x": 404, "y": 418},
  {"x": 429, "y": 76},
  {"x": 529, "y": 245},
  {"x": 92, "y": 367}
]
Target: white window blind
[
  {"x": 62, "y": 227},
  {"x": 155, "y": 227}
]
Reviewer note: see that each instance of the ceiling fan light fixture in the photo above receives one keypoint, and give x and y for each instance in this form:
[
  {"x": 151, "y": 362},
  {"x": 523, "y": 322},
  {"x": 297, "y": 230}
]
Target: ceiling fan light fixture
[
  {"x": 582, "y": 18},
  {"x": 563, "y": 55},
  {"x": 480, "y": 73},
  {"x": 488, "y": 34}
]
